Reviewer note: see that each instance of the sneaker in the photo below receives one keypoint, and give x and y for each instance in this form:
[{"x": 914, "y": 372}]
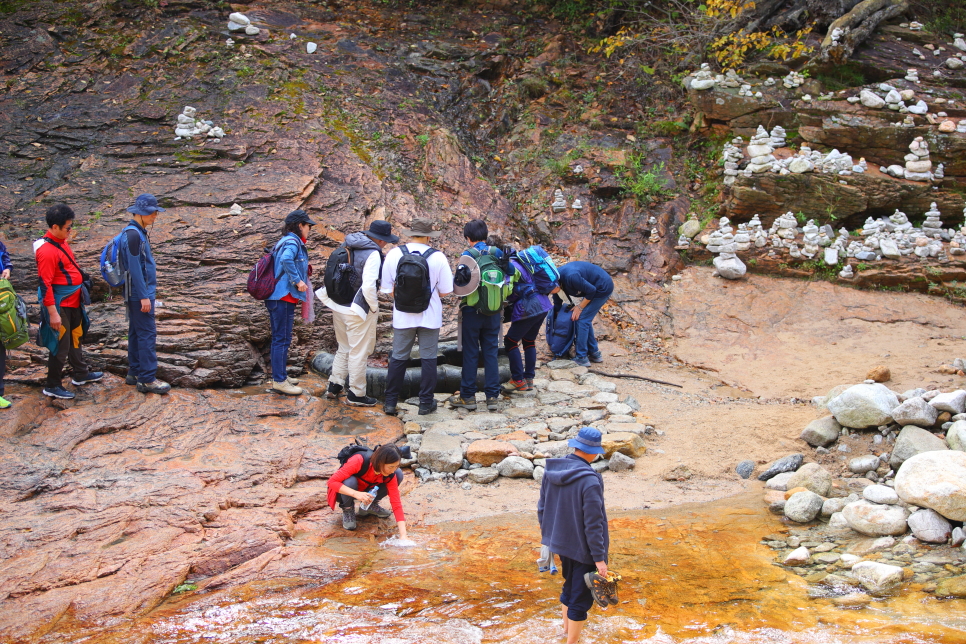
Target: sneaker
[
  {"x": 492, "y": 404},
  {"x": 349, "y": 518},
  {"x": 4, "y": 403},
  {"x": 154, "y": 387},
  {"x": 425, "y": 411},
  {"x": 292, "y": 381},
  {"x": 389, "y": 410},
  {"x": 58, "y": 392},
  {"x": 511, "y": 386},
  {"x": 582, "y": 362},
  {"x": 130, "y": 380},
  {"x": 285, "y": 388},
  {"x": 375, "y": 510},
  {"x": 333, "y": 391},
  {"x": 456, "y": 401},
  {"x": 596, "y": 357},
  {"x": 360, "y": 401},
  {"x": 92, "y": 376},
  {"x": 530, "y": 383}
]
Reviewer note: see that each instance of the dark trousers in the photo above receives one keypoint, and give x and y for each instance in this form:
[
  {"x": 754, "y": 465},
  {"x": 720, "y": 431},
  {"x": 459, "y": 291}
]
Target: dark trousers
[
  {"x": 346, "y": 501},
  {"x": 585, "y": 343},
  {"x": 68, "y": 349},
  {"x": 523, "y": 332},
  {"x": 142, "y": 337},
  {"x": 3, "y": 366},
  {"x": 402, "y": 346},
  {"x": 575, "y": 595},
  {"x": 282, "y": 316},
  {"x": 481, "y": 337}
]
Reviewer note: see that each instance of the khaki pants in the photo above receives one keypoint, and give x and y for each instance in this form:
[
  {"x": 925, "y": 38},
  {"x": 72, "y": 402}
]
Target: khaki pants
[{"x": 357, "y": 340}]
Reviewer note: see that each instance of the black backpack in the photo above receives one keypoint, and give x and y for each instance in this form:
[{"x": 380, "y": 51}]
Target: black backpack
[
  {"x": 351, "y": 450},
  {"x": 341, "y": 277},
  {"x": 413, "y": 291}
]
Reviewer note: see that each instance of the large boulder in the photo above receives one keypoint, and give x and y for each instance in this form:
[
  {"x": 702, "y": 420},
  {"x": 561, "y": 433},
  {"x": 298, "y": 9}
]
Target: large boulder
[
  {"x": 489, "y": 452},
  {"x": 935, "y": 480},
  {"x": 803, "y": 506},
  {"x": 954, "y": 402},
  {"x": 624, "y": 442},
  {"x": 483, "y": 475},
  {"x": 788, "y": 463},
  {"x": 821, "y": 432},
  {"x": 862, "y": 406},
  {"x": 915, "y": 411},
  {"x": 515, "y": 467},
  {"x": 813, "y": 477},
  {"x": 952, "y": 587},
  {"x": 956, "y": 436},
  {"x": 618, "y": 462},
  {"x": 914, "y": 440},
  {"x": 730, "y": 268},
  {"x": 875, "y": 520},
  {"x": 930, "y": 526},
  {"x": 877, "y": 578},
  {"x": 440, "y": 452}
]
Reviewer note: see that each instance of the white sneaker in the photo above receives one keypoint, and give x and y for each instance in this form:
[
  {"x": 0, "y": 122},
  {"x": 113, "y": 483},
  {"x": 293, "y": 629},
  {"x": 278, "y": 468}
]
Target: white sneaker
[{"x": 286, "y": 388}]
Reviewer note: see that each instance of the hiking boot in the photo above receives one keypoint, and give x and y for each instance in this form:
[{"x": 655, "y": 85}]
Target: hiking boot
[
  {"x": 58, "y": 392},
  {"x": 389, "y": 410},
  {"x": 596, "y": 357},
  {"x": 426, "y": 411},
  {"x": 511, "y": 386},
  {"x": 456, "y": 401},
  {"x": 4, "y": 403},
  {"x": 582, "y": 362},
  {"x": 130, "y": 380},
  {"x": 349, "y": 518},
  {"x": 333, "y": 391},
  {"x": 375, "y": 510},
  {"x": 359, "y": 401},
  {"x": 492, "y": 404},
  {"x": 530, "y": 383},
  {"x": 154, "y": 387},
  {"x": 292, "y": 381},
  {"x": 282, "y": 388},
  {"x": 92, "y": 376}
]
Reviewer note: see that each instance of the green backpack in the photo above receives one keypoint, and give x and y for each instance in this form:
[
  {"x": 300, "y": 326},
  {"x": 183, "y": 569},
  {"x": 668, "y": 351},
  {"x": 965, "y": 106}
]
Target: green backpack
[
  {"x": 14, "y": 327},
  {"x": 494, "y": 288}
]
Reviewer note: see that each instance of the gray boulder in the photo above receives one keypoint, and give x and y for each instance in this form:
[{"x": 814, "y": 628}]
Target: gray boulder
[
  {"x": 821, "y": 432},
  {"x": 914, "y": 440},
  {"x": 930, "y": 526},
  {"x": 745, "y": 469},
  {"x": 779, "y": 481},
  {"x": 877, "y": 578},
  {"x": 862, "y": 406},
  {"x": 803, "y": 507},
  {"x": 813, "y": 477},
  {"x": 915, "y": 411},
  {"x": 875, "y": 520},
  {"x": 620, "y": 463},
  {"x": 441, "y": 452},
  {"x": 954, "y": 402},
  {"x": 956, "y": 436},
  {"x": 831, "y": 506},
  {"x": 730, "y": 268},
  {"x": 538, "y": 473},
  {"x": 483, "y": 475},
  {"x": 935, "y": 480},
  {"x": 863, "y": 464},
  {"x": 515, "y": 467},
  {"x": 788, "y": 463},
  {"x": 882, "y": 494},
  {"x": 555, "y": 449}
]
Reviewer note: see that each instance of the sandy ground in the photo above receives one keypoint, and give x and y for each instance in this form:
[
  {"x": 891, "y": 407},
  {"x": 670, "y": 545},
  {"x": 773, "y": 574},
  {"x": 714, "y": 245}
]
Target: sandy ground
[{"x": 749, "y": 356}]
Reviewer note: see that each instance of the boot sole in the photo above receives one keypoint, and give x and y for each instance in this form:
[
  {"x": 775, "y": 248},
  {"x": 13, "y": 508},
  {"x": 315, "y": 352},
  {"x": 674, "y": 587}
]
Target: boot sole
[
  {"x": 282, "y": 393},
  {"x": 53, "y": 395},
  {"x": 356, "y": 403}
]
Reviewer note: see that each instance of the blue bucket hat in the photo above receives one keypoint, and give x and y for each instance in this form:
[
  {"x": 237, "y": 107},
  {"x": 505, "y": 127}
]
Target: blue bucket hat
[
  {"x": 144, "y": 205},
  {"x": 587, "y": 440}
]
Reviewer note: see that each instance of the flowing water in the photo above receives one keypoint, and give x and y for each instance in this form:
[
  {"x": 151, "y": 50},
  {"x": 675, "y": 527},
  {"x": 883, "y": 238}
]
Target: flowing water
[{"x": 691, "y": 574}]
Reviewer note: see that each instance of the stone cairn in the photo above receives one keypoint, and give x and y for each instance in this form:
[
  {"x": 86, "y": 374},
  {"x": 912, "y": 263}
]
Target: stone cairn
[
  {"x": 932, "y": 226},
  {"x": 188, "y": 127},
  {"x": 559, "y": 203},
  {"x": 727, "y": 264},
  {"x": 760, "y": 150},
  {"x": 793, "y": 80},
  {"x": 732, "y": 157},
  {"x": 918, "y": 166},
  {"x": 239, "y": 22},
  {"x": 846, "y": 273},
  {"x": 810, "y": 243},
  {"x": 778, "y": 137},
  {"x": 703, "y": 79}
]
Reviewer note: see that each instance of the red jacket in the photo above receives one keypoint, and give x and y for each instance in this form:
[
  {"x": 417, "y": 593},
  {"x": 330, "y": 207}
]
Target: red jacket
[
  {"x": 53, "y": 267},
  {"x": 366, "y": 481}
]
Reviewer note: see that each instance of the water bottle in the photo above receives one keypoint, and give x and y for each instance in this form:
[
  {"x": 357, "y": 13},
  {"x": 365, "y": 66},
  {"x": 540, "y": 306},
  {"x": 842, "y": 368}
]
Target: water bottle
[{"x": 373, "y": 493}]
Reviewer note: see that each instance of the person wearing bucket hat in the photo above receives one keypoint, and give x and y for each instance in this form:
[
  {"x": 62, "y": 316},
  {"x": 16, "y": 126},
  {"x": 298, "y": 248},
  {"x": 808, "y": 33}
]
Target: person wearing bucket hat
[
  {"x": 355, "y": 322},
  {"x": 140, "y": 296},
  {"x": 573, "y": 524}
]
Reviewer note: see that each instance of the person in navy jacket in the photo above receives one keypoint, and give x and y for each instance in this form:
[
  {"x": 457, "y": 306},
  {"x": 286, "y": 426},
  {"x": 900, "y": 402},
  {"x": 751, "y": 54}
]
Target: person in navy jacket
[
  {"x": 591, "y": 282},
  {"x": 5, "y": 267}
]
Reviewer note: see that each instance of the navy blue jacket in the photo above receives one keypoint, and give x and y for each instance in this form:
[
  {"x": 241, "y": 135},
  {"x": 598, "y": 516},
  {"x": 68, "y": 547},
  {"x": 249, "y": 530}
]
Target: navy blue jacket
[
  {"x": 4, "y": 258},
  {"x": 136, "y": 258},
  {"x": 573, "y": 521},
  {"x": 583, "y": 279}
]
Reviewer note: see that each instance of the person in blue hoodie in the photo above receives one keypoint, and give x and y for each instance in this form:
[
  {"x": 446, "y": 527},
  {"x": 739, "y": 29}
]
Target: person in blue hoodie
[
  {"x": 292, "y": 272},
  {"x": 5, "y": 267},
  {"x": 140, "y": 291},
  {"x": 573, "y": 524},
  {"x": 591, "y": 282}
]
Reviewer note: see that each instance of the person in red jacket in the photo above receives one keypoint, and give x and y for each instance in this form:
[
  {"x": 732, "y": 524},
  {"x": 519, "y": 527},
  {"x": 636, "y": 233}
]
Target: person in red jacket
[{"x": 350, "y": 484}]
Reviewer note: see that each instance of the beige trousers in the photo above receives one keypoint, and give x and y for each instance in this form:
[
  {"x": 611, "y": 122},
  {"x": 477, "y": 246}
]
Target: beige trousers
[{"x": 357, "y": 340}]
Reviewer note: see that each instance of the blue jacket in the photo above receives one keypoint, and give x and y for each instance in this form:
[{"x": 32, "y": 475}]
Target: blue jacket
[
  {"x": 4, "y": 258},
  {"x": 583, "y": 279},
  {"x": 142, "y": 280},
  {"x": 291, "y": 267},
  {"x": 525, "y": 301},
  {"x": 573, "y": 521}
]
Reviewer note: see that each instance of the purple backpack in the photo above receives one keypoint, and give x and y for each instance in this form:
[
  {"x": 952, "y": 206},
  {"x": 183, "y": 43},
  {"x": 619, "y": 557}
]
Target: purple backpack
[{"x": 262, "y": 280}]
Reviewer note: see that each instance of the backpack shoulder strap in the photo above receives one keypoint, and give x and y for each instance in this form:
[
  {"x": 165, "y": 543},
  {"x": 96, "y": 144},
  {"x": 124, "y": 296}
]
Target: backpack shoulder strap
[
  {"x": 66, "y": 254},
  {"x": 429, "y": 251},
  {"x": 472, "y": 252},
  {"x": 404, "y": 250}
]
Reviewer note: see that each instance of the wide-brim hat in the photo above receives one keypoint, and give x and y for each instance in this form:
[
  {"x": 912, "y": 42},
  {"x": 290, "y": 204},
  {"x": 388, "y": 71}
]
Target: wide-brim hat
[
  {"x": 382, "y": 230},
  {"x": 474, "y": 278},
  {"x": 145, "y": 205},
  {"x": 588, "y": 441},
  {"x": 421, "y": 228}
]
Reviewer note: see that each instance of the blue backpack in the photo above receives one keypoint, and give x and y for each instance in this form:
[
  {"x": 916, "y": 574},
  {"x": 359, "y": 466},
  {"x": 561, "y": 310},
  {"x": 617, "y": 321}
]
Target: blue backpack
[
  {"x": 541, "y": 267},
  {"x": 111, "y": 269},
  {"x": 561, "y": 330}
]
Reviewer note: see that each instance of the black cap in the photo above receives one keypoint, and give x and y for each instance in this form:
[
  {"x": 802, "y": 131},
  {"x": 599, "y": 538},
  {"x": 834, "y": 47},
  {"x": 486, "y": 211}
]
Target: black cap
[
  {"x": 298, "y": 217},
  {"x": 382, "y": 230}
]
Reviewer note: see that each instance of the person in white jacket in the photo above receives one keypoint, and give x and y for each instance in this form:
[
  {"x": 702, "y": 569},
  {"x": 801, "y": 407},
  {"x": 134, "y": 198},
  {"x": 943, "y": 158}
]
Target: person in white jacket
[{"x": 355, "y": 323}]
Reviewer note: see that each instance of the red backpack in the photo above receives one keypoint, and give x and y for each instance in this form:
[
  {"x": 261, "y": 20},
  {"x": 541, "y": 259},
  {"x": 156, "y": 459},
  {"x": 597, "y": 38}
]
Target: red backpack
[{"x": 262, "y": 280}]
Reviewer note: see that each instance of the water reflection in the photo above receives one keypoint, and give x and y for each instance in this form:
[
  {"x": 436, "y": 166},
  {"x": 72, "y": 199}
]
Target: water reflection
[{"x": 695, "y": 574}]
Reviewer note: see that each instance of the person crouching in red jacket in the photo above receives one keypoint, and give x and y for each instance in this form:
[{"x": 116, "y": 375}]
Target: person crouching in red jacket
[{"x": 350, "y": 484}]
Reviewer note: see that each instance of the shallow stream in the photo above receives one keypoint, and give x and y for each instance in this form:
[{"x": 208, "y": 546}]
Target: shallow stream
[{"x": 692, "y": 574}]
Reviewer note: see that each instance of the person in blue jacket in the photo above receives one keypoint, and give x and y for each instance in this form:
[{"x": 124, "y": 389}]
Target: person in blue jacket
[
  {"x": 292, "y": 272},
  {"x": 5, "y": 267},
  {"x": 140, "y": 292},
  {"x": 591, "y": 282},
  {"x": 528, "y": 310},
  {"x": 573, "y": 524}
]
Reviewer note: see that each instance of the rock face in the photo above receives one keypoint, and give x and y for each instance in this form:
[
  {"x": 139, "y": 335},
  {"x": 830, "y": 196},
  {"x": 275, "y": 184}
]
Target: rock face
[
  {"x": 862, "y": 406},
  {"x": 821, "y": 432},
  {"x": 914, "y": 440},
  {"x": 875, "y": 520},
  {"x": 813, "y": 477},
  {"x": 440, "y": 452},
  {"x": 935, "y": 480},
  {"x": 877, "y": 577}
]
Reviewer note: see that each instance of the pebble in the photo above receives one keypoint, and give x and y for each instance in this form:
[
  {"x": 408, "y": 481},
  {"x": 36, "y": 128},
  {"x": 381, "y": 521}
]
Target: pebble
[{"x": 745, "y": 469}]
